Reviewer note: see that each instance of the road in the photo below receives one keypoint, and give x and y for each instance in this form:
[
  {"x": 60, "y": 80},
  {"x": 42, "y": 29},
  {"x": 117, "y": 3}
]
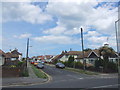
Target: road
[{"x": 66, "y": 79}]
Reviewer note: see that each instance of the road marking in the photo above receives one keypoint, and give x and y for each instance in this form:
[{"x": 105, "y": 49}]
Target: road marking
[
  {"x": 80, "y": 78},
  {"x": 106, "y": 86}
]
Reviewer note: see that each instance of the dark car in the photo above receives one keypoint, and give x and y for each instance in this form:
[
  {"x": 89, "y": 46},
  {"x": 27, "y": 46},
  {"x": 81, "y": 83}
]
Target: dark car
[
  {"x": 40, "y": 65},
  {"x": 60, "y": 65}
]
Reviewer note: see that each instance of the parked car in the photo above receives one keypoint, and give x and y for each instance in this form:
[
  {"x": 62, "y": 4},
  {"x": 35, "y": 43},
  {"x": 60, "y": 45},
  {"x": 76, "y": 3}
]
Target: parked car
[
  {"x": 35, "y": 63},
  {"x": 32, "y": 62},
  {"x": 60, "y": 65},
  {"x": 43, "y": 62},
  {"x": 40, "y": 65}
]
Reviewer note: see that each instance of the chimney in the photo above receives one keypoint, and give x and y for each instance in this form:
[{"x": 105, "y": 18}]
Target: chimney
[{"x": 63, "y": 52}]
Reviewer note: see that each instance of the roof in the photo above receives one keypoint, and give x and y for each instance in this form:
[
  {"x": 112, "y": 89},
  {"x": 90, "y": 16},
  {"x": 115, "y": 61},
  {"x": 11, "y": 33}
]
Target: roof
[
  {"x": 2, "y": 53},
  {"x": 41, "y": 57},
  {"x": 86, "y": 53},
  {"x": 48, "y": 56},
  {"x": 97, "y": 51},
  {"x": 73, "y": 53},
  {"x": 16, "y": 52},
  {"x": 10, "y": 55},
  {"x": 58, "y": 57}
]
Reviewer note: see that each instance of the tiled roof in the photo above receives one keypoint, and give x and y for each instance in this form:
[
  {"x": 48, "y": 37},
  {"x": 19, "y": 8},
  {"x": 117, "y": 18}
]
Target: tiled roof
[
  {"x": 16, "y": 52},
  {"x": 73, "y": 53},
  {"x": 2, "y": 53},
  {"x": 41, "y": 57},
  {"x": 48, "y": 56},
  {"x": 86, "y": 53},
  {"x": 10, "y": 55},
  {"x": 97, "y": 51},
  {"x": 58, "y": 57}
]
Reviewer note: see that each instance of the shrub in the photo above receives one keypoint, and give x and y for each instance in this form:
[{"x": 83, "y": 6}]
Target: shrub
[
  {"x": 71, "y": 59},
  {"x": 20, "y": 63},
  {"x": 13, "y": 66},
  {"x": 25, "y": 73},
  {"x": 99, "y": 63},
  {"x": 78, "y": 65},
  {"x": 112, "y": 67},
  {"x": 92, "y": 68}
]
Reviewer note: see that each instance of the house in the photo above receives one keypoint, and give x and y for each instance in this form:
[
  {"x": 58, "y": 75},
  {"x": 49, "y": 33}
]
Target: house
[
  {"x": 2, "y": 57},
  {"x": 13, "y": 55},
  {"x": 90, "y": 56},
  {"x": 65, "y": 55},
  {"x": 48, "y": 58},
  {"x": 40, "y": 57}
]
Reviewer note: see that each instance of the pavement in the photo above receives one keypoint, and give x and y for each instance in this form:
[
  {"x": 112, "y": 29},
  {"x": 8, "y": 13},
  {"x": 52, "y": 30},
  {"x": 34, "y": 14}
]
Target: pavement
[
  {"x": 62, "y": 78},
  {"x": 23, "y": 81}
]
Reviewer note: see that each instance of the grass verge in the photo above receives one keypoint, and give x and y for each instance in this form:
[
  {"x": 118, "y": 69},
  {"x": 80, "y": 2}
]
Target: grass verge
[
  {"x": 39, "y": 73},
  {"x": 25, "y": 73},
  {"x": 81, "y": 71}
]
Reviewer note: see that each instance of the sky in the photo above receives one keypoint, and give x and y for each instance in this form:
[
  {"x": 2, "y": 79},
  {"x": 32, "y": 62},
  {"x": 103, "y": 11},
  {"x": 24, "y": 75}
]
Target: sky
[{"x": 55, "y": 26}]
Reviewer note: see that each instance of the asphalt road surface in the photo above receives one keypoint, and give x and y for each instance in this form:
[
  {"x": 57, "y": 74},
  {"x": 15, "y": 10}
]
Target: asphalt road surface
[{"x": 66, "y": 79}]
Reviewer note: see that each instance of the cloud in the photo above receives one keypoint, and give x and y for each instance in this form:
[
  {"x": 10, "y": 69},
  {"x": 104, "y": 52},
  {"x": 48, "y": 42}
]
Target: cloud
[
  {"x": 25, "y": 35},
  {"x": 56, "y": 39},
  {"x": 76, "y": 14},
  {"x": 55, "y": 31},
  {"x": 83, "y": 14},
  {"x": 27, "y": 12}
]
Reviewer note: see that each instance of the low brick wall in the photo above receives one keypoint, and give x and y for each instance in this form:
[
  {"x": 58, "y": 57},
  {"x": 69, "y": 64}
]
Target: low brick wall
[{"x": 8, "y": 71}]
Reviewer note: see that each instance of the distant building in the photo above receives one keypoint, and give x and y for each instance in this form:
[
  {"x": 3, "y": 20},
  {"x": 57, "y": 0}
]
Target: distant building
[
  {"x": 40, "y": 57},
  {"x": 48, "y": 58}
]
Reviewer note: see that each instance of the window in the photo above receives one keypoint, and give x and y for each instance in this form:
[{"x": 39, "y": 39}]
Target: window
[{"x": 66, "y": 56}]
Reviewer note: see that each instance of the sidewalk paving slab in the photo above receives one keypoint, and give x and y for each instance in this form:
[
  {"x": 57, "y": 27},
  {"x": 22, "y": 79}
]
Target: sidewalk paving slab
[{"x": 32, "y": 79}]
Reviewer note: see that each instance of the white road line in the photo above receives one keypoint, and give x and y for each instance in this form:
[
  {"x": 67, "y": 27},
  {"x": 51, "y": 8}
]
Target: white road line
[
  {"x": 80, "y": 78},
  {"x": 106, "y": 86},
  {"x": 73, "y": 76}
]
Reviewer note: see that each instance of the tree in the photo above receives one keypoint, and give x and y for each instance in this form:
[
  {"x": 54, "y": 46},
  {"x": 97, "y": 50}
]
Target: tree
[
  {"x": 106, "y": 52},
  {"x": 71, "y": 61},
  {"x": 87, "y": 49}
]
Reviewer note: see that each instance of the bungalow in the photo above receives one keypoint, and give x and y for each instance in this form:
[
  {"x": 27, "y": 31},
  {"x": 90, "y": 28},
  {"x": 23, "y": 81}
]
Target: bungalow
[
  {"x": 65, "y": 55},
  {"x": 2, "y": 57},
  {"x": 89, "y": 56}
]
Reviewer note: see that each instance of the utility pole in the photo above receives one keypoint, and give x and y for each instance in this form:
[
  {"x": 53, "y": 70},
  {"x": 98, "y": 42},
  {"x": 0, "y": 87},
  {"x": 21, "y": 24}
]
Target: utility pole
[
  {"x": 118, "y": 42},
  {"x": 27, "y": 51},
  {"x": 84, "y": 62}
]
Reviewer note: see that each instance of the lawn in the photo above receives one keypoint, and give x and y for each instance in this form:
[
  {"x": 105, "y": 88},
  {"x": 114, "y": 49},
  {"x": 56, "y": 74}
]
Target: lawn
[
  {"x": 81, "y": 71},
  {"x": 39, "y": 73}
]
